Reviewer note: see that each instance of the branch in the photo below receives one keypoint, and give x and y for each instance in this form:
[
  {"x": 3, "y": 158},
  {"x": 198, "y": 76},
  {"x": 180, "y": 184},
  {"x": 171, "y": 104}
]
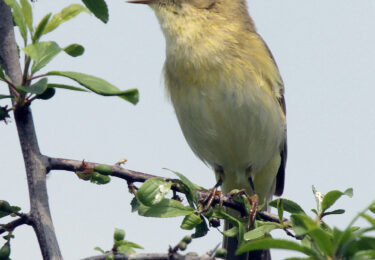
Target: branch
[
  {"x": 134, "y": 176},
  {"x": 35, "y": 166},
  {"x": 25, "y": 219},
  {"x": 8, "y": 48},
  {"x": 151, "y": 256}
]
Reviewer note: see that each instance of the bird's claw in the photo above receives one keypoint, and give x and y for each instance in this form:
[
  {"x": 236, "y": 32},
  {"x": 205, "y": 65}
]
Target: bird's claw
[
  {"x": 209, "y": 200},
  {"x": 253, "y": 201}
]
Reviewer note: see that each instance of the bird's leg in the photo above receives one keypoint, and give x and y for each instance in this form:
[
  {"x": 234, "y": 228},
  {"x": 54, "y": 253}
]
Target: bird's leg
[
  {"x": 214, "y": 191},
  {"x": 211, "y": 196},
  {"x": 253, "y": 200}
]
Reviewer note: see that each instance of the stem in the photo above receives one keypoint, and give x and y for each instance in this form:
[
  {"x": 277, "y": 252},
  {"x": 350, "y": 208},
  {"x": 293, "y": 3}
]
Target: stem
[
  {"x": 36, "y": 166},
  {"x": 36, "y": 171},
  {"x": 26, "y": 70},
  {"x": 25, "y": 219},
  {"x": 39, "y": 76}
]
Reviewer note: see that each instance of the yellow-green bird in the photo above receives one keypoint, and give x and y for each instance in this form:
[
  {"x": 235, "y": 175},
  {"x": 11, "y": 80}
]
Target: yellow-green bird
[{"x": 226, "y": 90}]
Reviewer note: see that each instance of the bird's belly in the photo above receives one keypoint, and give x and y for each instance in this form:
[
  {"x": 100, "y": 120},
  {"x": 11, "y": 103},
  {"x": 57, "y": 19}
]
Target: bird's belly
[{"x": 235, "y": 128}]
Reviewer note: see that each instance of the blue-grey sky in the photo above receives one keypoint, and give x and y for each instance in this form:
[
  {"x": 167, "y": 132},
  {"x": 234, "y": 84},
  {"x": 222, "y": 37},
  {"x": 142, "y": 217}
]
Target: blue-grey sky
[{"x": 326, "y": 55}]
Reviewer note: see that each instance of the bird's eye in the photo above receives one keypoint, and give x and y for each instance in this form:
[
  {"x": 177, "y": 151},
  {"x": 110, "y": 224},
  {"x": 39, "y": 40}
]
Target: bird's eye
[{"x": 202, "y": 4}]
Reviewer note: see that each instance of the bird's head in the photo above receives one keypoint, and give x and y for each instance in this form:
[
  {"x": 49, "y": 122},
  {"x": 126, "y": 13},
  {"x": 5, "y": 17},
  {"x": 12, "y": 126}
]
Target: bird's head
[{"x": 199, "y": 17}]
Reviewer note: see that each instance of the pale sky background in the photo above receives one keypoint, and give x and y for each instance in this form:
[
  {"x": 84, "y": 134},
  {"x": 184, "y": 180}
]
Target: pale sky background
[{"x": 326, "y": 55}]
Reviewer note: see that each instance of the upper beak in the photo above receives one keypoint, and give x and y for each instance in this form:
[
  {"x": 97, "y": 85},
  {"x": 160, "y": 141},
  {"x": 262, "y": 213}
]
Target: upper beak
[{"x": 147, "y": 2}]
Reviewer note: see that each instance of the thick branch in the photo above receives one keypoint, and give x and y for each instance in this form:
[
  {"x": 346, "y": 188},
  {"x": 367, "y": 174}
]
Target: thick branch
[
  {"x": 35, "y": 166},
  {"x": 8, "y": 48},
  {"x": 135, "y": 176}
]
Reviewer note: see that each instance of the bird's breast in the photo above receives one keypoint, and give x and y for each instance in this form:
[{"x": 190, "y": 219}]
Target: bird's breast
[{"x": 228, "y": 117}]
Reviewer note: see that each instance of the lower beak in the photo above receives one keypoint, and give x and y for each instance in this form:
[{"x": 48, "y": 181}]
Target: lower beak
[{"x": 147, "y": 2}]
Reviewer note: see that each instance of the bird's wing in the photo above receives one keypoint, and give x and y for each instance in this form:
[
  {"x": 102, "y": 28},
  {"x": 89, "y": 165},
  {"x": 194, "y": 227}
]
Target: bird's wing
[
  {"x": 278, "y": 85},
  {"x": 280, "y": 177}
]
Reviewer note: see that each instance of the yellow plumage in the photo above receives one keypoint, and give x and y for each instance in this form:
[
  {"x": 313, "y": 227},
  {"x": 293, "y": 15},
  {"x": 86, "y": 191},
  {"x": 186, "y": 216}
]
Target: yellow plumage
[
  {"x": 225, "y": 88},
  {"x": 227, "y": 92}
]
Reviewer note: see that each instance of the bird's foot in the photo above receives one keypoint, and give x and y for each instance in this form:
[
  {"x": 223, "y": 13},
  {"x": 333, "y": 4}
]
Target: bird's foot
[
  {"x": 212, "y": 193},
  {"x": 253, "y": 201}
]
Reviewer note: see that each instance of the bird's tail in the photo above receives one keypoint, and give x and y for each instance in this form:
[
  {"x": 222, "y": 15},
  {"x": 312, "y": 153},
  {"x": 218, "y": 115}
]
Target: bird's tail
[
  {"x": 265, "y": 183},
  {"x": 231, "y": 245}
]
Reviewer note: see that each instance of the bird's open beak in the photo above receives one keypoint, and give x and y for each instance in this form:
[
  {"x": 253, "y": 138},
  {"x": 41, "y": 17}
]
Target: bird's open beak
[{"x": 147, "y": 2}]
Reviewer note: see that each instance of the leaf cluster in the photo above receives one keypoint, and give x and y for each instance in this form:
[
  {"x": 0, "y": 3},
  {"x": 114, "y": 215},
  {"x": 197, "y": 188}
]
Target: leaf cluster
[
  {"x": 312, "y": 236},
  {"x": 7, "y": 210},
  {"x": 38, "y": 54},
  {"x": 120, "y": 246}
]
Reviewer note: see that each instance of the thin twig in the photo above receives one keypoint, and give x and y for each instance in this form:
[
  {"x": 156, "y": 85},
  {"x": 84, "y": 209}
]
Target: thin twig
[{"x": 25, "y": 219}]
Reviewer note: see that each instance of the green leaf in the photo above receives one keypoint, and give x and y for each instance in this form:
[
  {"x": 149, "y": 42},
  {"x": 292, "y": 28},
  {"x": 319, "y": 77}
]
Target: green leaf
[
  {"x": 288, "y": 205},
  {"x": 65, "y": 15},
  {"x": 232, "y": 232},
  {"x": 98, "y": 8},
  {"x": 362, "y": 243},
  {"x": 372, "y": 207},
  {"x": 334, "y": 212},
  {"x": 74, "y": 50},
  {"x": 128, "y": 244},
  {"x": 135, "y": 204},
  {"x": 5, "y": 251},
  {"x": 189, "y": 186},
  {"x": 37, "y": 88},
  {"x": 370, "y": 219},
  {"x": 15, "y": 208},
  {"x": 104, "y": 169},
  {"x": 53, "y": 85},
  {"x": 18, "y": 17},
  {"x": 268, "y": 243},
  {"x": 5, "y": 208},
  {"x": 40, "y": 28},
  {"x": 153, "y": 191},
  {"x": 219, "y": 213},
  {"x": 47, "y": 94},
  {"x": 323, "y": 240},
  {"x": 99, "y": 250},
  {"x": 27, "y": 14},
  {"x": 99, "y": 179},
  {"x": 110, "y": 257},
  {"x": 341, "y": 240},
  {"x": 302, "y": 223},
  {"x": 280, "y": 210},
  {"x": 260, "y": 232},
  {"x": 331, "y": 197},
  {"x": 363, "y": 255},
  {"x": 125, "y": 250},
  {"x": 98, "y": 85},
  {"x": 5, "y": 96},
  {"x": 200, "y": 230},
  {"x": 191, "y": 221},
  {"x": 41, "y": 53},
  {"x": 2, "y": 75},
  {"x": 167, "y": 208},
  {"x": 119, "y": 234}
]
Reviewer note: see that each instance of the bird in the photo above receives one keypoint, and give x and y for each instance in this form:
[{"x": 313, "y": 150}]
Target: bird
[{"x": 227, "y": 93}]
